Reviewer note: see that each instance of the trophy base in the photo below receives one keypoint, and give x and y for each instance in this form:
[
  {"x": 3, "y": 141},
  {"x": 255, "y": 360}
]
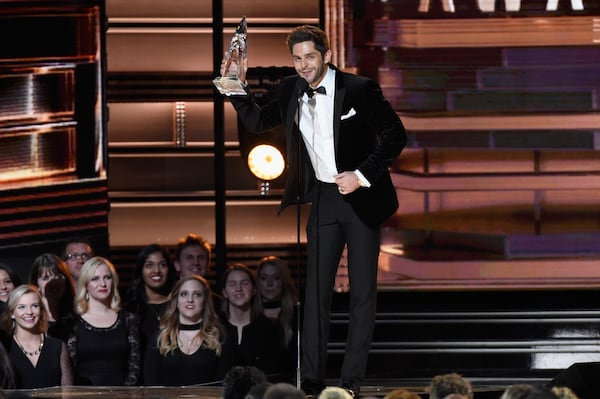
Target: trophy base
[{"x": 230, "y": 86}]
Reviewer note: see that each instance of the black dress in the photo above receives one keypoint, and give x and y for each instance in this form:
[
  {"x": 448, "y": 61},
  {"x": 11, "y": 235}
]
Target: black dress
[
  {"x": 179, "y": 369},
  {"x": 261, "y": 345},
  {"x": 149, "y": 322},
  {"x": 47, "y": 372},
  {"x": 105, "y": 356}
]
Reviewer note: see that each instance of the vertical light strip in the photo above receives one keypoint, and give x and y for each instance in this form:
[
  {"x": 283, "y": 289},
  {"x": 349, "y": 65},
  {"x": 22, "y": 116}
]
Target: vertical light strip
[
  {"x": 29, "y": 95},
  {"x": 342, "y": 36},
  {"x": 34, "y": 151},
  {"x": 335, "y": 27},
  {"x": 180, "y": 124}
]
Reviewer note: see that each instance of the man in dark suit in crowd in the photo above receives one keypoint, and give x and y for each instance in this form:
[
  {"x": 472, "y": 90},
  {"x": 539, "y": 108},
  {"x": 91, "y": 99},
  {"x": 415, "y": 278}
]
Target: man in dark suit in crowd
[{"x": 338, "y": 157}]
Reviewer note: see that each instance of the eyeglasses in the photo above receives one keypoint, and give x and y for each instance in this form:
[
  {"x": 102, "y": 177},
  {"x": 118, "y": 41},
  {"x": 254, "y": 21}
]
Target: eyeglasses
[{"x": 84, "y": 256}]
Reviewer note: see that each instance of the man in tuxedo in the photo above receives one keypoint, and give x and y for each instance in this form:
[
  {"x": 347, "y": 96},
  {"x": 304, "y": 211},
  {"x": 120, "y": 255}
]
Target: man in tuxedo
[{"x": 337, "y": 157}]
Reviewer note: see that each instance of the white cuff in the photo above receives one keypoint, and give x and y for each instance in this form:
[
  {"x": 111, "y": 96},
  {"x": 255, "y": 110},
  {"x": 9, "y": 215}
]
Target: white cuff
[{"x": 361, "y": 179}]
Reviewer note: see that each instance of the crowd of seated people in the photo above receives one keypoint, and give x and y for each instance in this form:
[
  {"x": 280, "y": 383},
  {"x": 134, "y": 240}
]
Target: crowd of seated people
[{"x": 68, "y": 325}]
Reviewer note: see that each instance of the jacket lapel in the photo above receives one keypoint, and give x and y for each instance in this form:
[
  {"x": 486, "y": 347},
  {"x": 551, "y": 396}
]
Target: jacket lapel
[{"x": 338, "y": 100}]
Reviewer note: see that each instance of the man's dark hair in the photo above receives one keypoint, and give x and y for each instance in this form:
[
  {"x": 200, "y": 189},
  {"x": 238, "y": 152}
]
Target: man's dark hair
[
  {"x": 283, "y": 390},
  {"x": 258, "y": 391},
  {"x": 309, "y": 33},
  {"x": 239, "y": 380},
  {"x": 445, "y": 384}
]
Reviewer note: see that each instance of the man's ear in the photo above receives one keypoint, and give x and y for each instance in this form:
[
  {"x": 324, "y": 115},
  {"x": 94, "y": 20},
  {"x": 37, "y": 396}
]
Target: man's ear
[{"x": 327, "y": 58}]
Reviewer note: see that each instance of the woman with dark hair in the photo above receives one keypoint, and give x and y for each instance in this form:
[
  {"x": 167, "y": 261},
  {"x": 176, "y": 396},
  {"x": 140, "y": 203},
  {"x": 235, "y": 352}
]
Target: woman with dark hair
[
  {"x": 191, "y": 347},
  {"x": 257, "y": 338},
  {"x": 9, "y": 279},
  {"x": 153, "y": 278},
  {"x": 52, "y": 276}
]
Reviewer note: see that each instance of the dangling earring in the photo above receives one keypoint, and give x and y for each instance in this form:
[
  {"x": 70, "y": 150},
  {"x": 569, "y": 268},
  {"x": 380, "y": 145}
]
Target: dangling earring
[{"x": 87, "y": 296}]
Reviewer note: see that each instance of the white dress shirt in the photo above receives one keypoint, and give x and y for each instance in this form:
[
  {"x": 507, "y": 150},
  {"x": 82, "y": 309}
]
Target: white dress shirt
[{"x": 319, "y": 141}]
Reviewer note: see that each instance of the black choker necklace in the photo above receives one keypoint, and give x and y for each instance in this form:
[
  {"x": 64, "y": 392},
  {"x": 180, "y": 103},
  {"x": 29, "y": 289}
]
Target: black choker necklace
[
  {"x": 190, "y": 327},
  {"x": 271, "y": 305}
]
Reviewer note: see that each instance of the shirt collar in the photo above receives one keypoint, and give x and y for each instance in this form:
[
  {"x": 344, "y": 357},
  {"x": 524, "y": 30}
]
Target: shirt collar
[{"x": 328, "y": 81}]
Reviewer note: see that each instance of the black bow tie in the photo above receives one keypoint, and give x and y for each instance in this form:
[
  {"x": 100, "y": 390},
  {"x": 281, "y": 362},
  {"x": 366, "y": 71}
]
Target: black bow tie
[{"x": 311, "y": 92}]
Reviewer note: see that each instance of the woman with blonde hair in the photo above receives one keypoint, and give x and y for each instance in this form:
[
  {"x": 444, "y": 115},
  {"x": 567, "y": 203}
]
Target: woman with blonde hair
[
  {"x": 190, "y": 347},
  {"x": 103, "y": 341},
  {"x": 38, "y": 360}
]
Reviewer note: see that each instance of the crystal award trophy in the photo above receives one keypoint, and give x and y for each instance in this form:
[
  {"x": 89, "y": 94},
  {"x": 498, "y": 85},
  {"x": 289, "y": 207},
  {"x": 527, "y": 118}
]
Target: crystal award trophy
[{"x": 231, "y": 83}]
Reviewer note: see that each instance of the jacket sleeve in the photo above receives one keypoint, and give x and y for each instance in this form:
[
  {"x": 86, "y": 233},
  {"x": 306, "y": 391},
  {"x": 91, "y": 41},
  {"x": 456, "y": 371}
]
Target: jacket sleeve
[
  {"x": 133, "y": 338},
  {"x": 389, "y": 131}
]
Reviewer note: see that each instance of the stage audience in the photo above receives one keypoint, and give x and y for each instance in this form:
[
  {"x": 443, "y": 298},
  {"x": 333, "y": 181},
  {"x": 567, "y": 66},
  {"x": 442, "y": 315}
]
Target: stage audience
[
  {"x": 192, "y": 256},
  {"x": 564, "y": 392},
  {"x": 148, "y": 294},
  {"x": 239, "y": 380},
  {"x": 38, "y": 360},
  {"x": 528, "y": 391},
  {"x": 76, "y": 252},
  {"x": 52, "y": 276},
  {"x": 402, "y": 393},
  {"x": 257, "y": 338},
  {"x": 191, "y": 347},
  {"x": 104, "y": 340},
  {"x": 283, "y": 390},
  {"x": 335, "y": 393},
  {"x": 445, "y": 384},
  {"x": 258, "y": 391}
]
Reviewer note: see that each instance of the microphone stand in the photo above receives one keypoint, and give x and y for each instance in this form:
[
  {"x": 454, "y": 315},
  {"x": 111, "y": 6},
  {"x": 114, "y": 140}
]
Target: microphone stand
[
  {"x": 303, "y": 89},
  {"x": 298, "y": 244}
]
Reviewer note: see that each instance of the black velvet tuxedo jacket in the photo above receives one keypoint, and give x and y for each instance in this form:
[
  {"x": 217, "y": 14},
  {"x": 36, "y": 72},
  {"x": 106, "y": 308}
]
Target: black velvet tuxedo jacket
[{"x": 368, "y": 136}]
